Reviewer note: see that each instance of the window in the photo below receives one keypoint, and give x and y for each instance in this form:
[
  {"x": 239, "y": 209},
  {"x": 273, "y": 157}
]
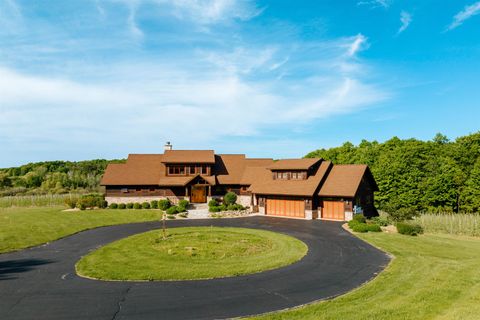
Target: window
[
  {"x": 138, "y": 189},
  {"x": 124, "y": 190},
  {"x": 192, "y": 170},
  {"x": 176, "y": 170},
  {"x": 285, "y": 175},
  {"x": 152, "y": 189},
  {"x": 204, "y": 169}
]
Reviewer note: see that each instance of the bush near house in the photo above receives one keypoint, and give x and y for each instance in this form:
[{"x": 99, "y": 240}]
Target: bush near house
[
  {"x": 129, "y": 205},
  {"x": 145, "y": 205},
  {"x": 113, "y": 206},
  {"x": 92, "y": 200},
  {"x": 230, "y": 198},
  {"x": 137, "y": 205},
  {"x": 172, "y": 210},
  {"x": 212, "y": 203},
  {"x": 360, "y": 224},
  {"x": 164, "y": 204},
  {"x": 122, "y": 206},
  {"x": 183, "y": 204},
  {"x": 154, "y": 204},
  {"x": 410, "y": 229}
]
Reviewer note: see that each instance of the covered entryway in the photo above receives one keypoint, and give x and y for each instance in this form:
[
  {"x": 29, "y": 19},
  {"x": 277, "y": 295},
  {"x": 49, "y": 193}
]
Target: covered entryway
[
  {"x": 199, "y": 194},
  {"x": 285, "y": 207},
  {"x": 333, "y": 210}
]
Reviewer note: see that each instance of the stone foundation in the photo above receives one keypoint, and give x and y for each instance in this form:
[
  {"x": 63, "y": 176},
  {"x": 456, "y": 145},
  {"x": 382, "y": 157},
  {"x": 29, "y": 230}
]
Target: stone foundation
[
  {"x": 348, "y": 216},
  {"x": 173, "y": 200},
  {"x": 245, "y": 201}
]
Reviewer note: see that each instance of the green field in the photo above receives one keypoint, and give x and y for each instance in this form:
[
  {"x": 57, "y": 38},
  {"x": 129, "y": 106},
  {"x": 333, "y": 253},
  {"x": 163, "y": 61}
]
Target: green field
[
  {"x": 192, "y": 253},
  {"x": 25, "y": 227},
  {"x": 431, "y": 277}
]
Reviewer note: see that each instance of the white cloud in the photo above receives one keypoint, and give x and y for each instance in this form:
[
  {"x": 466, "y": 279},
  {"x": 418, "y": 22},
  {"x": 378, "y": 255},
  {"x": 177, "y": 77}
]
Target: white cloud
[
  {"x": 405, "y": 19},
  {"x": 465, "y": 14},
  {"x": 359, "y": 42},
  {"x": 375, "y": 3}
]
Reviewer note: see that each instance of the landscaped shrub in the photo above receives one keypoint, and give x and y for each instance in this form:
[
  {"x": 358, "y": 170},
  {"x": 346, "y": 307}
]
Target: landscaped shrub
[
  {"x": 230, "y": 198},
  {"x": 214, "y": 209},
  {"x": 352, "y": 223},
  {"x": 91, "y": 201},
  {"x": 113, "y": 206},
  {"x": 401, "y": 214},
  {"x": 410, "y": 229},
  {"x": 381, "y": 221},
  {"x": 213, "y": 203},
  {"x": 222, "y": 207},
  {"x": 231, "y": 207},
  {"x": 181, "y": 209},
  {"x": 172, "y": 210},
  {"x": 373, "y": 227},
  {"x": 359, "y": 218},
  {"x": 121, "y": 206},
  {"x": 360, "y": 227},
  {"x": 146, "y": 205},
  {"x": 164, "y": 204},
  {"x": 129, "y": 205},
  {"x": 137, "y": 205},
  {"x": 154, "y": 204},
  {"x": 71, "y": 202},
  {"x": 183, "y": 205}
]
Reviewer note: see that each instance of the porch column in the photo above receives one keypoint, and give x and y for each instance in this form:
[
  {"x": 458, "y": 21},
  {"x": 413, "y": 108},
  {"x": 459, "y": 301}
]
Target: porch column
[
  {"x": 186, "y": 191},
  {"x": 209, "y": 191}
]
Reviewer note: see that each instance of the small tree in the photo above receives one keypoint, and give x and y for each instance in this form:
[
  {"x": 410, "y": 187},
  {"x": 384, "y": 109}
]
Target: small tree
[{"x": 230, "y": 198}]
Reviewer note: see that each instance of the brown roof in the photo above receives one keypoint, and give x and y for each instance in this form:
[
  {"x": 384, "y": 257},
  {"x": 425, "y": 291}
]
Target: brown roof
[
  {"x": 140, "y": 169},
  {"x": 235, "y": 168},
  {"x": 294, "y": 164},
  {"x": 189, "y": 156},
  {"x": 344, "y": 180},
  {"x": 265, "y": 184}
]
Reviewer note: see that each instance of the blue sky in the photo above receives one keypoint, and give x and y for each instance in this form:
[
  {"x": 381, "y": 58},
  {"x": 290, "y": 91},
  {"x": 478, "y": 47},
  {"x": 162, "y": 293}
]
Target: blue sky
[{"x": 103, "y": 78}]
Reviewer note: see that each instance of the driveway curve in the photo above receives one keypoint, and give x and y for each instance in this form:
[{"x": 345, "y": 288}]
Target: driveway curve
[{"x": 40, "y": 283}]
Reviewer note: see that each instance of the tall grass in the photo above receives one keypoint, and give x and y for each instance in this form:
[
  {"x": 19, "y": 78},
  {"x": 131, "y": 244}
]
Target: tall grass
[
  {"x": 450, "y": 223},
  {"x": 48, "y": 200}
]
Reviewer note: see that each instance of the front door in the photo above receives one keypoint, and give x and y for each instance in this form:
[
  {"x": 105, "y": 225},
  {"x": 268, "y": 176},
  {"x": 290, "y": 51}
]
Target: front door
[{"x": 199, "y": 194}]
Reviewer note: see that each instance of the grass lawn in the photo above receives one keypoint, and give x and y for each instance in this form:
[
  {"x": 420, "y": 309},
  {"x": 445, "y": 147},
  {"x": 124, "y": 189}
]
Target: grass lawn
[
  {"x": 26, "y": 227},
  {"x": 192, "y": 253},
  {"x": 432, "y": 277}
]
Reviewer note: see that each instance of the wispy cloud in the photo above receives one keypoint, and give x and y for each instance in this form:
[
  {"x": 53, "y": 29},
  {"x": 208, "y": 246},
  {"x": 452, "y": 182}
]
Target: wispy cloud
[
  {"x": 465, "y": 14},
  {"x": 375, "y": 3},
  {"x": 358, "y": 43},
  {"x": 405, "y": 19}
]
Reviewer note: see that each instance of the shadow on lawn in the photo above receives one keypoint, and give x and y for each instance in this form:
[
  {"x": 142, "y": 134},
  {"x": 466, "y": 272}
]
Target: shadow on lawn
[{"x": 11, "y": 267}]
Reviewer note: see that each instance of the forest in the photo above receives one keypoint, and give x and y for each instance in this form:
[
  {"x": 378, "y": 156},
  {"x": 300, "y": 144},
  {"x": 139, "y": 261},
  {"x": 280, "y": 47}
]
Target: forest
[
  {"x": 53, "y": 177},
  {"x": 429, "y": 176}
]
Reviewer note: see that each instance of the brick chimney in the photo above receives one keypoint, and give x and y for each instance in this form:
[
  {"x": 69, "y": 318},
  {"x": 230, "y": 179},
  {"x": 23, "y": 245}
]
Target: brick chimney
[{"x": 168, "y": 146}]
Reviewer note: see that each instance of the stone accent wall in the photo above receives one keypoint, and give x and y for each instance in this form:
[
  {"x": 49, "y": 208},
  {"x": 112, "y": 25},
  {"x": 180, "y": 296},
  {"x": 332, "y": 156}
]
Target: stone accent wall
[
  {"x": 348, "y": 215},
  {"x": 173, "y": 200},
  {"x": 244, "y": 201}
]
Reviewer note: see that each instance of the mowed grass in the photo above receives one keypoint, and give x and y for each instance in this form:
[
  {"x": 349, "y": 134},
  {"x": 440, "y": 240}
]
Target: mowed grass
[
  {"x": 192, "y": 253},
  {"x": 25, "y": 227},
  {"x": 431, "y": 277}
]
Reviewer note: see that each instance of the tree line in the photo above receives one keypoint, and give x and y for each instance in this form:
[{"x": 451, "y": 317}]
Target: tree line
[
  {"x": 53, "y": 177},
  {"x": 431, "y": 176}
]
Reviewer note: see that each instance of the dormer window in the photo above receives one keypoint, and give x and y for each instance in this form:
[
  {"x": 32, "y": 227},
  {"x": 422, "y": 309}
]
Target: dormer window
[{"x": 290, "y": 175}]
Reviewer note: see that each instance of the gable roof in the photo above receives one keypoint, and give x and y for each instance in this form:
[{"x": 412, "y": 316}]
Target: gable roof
[
  {"x": 294, "y": 164},
  {"x": 140, "y": 169},
  {"x": 265, "y": 184},
  {"x": 188, "y": 156},
  {"x": 236, "y": 169},
  {"x": 344, "y": 180}
]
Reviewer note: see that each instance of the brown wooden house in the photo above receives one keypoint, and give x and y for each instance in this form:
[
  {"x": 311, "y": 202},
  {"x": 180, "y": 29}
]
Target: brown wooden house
[{"x": 294, "y": 188}]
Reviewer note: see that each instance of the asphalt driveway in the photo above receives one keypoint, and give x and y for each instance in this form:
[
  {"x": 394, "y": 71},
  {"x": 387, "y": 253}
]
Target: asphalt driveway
[{"x": 40, "y": 283}]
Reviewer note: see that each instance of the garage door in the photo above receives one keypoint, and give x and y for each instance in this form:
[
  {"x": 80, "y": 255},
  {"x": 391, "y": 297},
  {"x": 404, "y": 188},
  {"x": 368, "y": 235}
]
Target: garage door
[
  {"x": 333, "y": 210},
  {"x": 286, "y": 208}
]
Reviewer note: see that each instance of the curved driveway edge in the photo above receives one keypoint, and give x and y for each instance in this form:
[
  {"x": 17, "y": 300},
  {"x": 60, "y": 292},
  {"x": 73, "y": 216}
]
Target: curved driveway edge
[{"x": 40, "y": 282}]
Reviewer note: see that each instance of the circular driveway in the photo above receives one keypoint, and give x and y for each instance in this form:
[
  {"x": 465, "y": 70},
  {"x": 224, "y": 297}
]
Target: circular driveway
[{"x": 40, "y": 283}]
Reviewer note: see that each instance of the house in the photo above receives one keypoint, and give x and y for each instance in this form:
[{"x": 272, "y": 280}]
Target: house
[{"x": 296, "y": 188}]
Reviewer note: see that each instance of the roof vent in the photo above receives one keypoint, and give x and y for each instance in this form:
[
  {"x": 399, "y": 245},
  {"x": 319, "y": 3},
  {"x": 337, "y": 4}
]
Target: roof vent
[{"x": 168, "y": 146}]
